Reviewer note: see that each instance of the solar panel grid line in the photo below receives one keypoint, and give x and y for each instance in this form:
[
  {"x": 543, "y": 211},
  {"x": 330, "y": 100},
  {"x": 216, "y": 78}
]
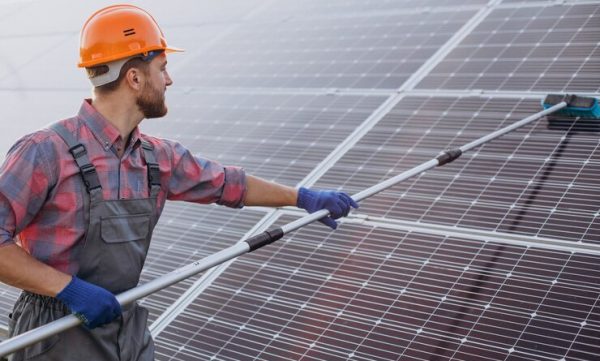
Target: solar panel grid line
[
  {"x": 335, "y": 8},
  {"x": 583, "y": 324},
  {"x": 416, "y": 10},
  {"x": 450, "y": 183},
  {"x": 276, "y": 288},
  {"x": 290, "y": 75},
  {"x": 444, "y": 50},
  {"x": 548, "y": 69},
  {"x": 515, "y": 151},
  {"x": 350, "y": 299},
  {"x": 562, "y": 197},
  {"x": 169, "y": 253},
  {"x": 203, "y": 282},
  {"x": 269, "y": 334},
  {"x": 528, "y": 143},
  {"x": 350, "y": 141},
  {"x": 545, "y": 172},
  {"x": 532, "y": 317},
  {"x": 276, "y": 281},
  {"x": 443, "y": 298},
  {"x": 536, "y": 64},
  {"x": 474, "y": 270},
  {"x": 255, "y": 344},
  {"x": 182, "y": 63},
  {"x": 324, "y": 313}
]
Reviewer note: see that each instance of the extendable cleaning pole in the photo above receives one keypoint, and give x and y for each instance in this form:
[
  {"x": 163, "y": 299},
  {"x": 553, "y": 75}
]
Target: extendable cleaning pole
[{"x": 573, "y": 106}]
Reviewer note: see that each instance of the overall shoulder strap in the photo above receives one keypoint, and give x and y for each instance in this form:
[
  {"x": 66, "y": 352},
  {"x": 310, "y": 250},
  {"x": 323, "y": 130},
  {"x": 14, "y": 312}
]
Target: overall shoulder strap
[
  {"x": 153, "y": 168},
  {"x": 79, "y": 153}
]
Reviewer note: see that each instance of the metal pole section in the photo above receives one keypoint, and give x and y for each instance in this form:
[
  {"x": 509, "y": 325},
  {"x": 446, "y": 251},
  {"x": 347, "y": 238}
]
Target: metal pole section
[
  {"x": 30, "y": 337},
  {"x": 510, "y": 128},
  {"x": 25, "y": 339}
]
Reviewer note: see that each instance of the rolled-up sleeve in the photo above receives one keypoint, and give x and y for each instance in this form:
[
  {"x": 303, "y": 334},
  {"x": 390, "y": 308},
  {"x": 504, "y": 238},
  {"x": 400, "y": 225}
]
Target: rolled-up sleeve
[{"x": 200, "y": 180}]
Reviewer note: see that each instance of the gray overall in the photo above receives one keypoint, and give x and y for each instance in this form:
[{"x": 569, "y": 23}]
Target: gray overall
[{"x": 115, "y": 249}]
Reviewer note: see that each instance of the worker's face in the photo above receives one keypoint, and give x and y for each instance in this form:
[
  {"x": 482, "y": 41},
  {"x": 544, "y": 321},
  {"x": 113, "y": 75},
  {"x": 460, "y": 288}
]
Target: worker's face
[{"x": 151, "y": 100}]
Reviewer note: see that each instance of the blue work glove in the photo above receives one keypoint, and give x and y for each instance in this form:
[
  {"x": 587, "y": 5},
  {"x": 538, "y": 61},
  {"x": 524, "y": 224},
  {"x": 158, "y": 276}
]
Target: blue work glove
[
  {"x": 93, "y": 305},
  {"x": 337, "y": 203}
]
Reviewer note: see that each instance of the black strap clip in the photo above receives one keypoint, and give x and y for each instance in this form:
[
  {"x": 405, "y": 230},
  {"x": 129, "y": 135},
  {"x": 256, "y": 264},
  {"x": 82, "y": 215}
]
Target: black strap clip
[
  {"x": 153, "y": 174},
  {"x": 90, "y": 177}
]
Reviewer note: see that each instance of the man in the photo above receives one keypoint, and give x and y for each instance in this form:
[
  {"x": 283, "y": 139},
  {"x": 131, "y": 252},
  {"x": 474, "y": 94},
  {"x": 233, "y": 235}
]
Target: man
[{"x": 80, "y": 199}]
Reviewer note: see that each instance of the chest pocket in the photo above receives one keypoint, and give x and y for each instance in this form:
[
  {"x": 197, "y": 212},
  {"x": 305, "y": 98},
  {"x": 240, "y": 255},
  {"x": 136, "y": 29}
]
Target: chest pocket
[{"x": 125, "y": 228}]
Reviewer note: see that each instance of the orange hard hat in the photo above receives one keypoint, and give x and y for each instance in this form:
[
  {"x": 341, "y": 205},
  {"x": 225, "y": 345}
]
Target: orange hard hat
[{"x": 118, "y": 32}]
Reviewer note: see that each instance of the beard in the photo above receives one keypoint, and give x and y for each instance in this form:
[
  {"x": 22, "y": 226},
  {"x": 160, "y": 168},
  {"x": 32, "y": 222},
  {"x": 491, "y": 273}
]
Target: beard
[{"x": 152, "y": 102}]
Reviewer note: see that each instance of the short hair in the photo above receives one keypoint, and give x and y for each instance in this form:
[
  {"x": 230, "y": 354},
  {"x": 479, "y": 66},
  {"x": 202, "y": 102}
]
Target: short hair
[{"x": 97, "y": 70}]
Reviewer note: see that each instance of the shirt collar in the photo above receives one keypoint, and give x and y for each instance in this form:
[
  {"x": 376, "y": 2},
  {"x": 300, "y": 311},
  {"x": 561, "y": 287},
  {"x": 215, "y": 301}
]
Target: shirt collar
[{"x": 106, "y": 133}]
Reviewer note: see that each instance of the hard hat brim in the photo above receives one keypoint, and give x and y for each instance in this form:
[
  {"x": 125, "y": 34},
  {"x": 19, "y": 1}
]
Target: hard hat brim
[{"x": 91, "y": 63}]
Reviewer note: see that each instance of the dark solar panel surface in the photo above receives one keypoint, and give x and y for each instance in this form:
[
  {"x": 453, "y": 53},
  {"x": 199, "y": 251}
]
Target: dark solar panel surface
[
  {"x": 379, "y": 51},
  {"x": 541, "y": 48},
  {"x": 534, "y": 181},
  {"x": 369, "y": 293},
  {"x": 185, "y": 234}
]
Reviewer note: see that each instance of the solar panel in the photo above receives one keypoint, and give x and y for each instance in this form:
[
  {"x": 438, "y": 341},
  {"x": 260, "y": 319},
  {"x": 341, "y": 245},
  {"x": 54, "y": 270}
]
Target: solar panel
[
  {"x": 270, "y": 135},
  {"x": 185, "y": 234},
  {"x": 534, "y": 48},
  {"x": 371, "y": 293},
  {"x": 379, "y": 51},
  {"x": 276, "y": 136},
  {"x": 315, "y": 8},
  {"x": 535, "y": 181}
]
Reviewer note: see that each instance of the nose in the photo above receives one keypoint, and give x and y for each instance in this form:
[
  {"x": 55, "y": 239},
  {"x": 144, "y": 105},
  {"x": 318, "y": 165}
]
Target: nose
[{"x": 168, "y": 80}]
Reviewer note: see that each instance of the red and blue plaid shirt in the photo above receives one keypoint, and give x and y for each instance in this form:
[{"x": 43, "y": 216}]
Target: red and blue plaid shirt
[{"x": 42, "y": 193}]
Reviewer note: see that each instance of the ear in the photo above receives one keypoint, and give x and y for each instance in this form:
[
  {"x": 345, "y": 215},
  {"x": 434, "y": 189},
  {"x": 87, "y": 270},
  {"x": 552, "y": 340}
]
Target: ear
[{"x": 134, "y": 78}]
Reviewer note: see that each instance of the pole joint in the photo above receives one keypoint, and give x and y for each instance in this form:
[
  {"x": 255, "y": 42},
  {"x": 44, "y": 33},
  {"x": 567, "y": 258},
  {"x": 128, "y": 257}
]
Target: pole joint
[
  {"x": 448, "y": 156},
  {"x": 264, "y": 238}
]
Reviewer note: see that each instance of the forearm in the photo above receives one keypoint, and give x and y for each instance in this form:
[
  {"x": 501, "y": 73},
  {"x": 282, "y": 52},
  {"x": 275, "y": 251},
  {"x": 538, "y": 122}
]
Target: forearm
[
  {"x": 260, "y": 192},
  {"x": 19, "y": 269}
]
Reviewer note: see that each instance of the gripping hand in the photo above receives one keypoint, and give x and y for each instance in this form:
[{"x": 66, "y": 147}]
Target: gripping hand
[
  {"x": 93, "y": 305},
  {"x": 337, "y": 203}
]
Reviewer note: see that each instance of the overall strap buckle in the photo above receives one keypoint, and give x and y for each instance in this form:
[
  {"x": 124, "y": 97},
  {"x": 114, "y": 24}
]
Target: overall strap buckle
[
  {"x": 151, "y": 164},
  {"x": 90, "y": 177}
]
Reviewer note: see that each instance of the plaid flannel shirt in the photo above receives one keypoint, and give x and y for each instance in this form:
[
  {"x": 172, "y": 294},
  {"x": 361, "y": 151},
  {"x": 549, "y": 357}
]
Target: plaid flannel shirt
[{"x": 42, "y": 193}]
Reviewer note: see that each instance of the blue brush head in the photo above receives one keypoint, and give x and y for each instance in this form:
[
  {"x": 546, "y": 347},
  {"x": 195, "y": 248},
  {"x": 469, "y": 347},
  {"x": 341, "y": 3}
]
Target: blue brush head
[{"x": 577, "y": 106}]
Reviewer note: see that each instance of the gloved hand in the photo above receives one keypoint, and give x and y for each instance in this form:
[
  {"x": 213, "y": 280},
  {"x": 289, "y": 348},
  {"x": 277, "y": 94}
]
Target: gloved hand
[
  {"x": 93, "y": 305},
  {"x": 337, "y": 203}
]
